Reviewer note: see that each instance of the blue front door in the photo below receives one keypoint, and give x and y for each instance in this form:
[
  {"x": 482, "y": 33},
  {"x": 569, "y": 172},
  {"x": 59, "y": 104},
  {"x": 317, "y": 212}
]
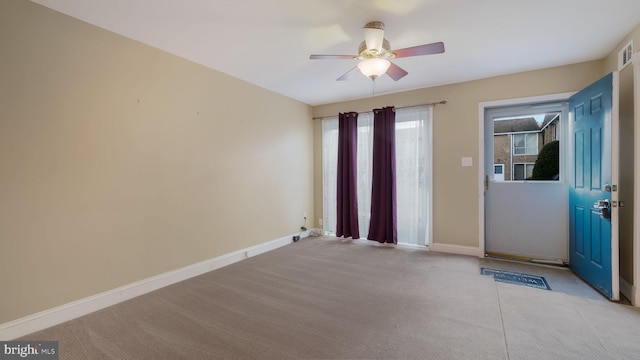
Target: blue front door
[{"x": 591, "y": 205}]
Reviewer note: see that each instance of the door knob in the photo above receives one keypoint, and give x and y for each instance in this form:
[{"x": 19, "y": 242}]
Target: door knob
[{"x": 605, "y": 208}]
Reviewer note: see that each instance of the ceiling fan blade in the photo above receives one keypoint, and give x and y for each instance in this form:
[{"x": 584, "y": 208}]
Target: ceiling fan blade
[
  {"x": 396, "y": 72},
  {"x": 427, "y": 49},
  {"x": 313, "y": 57},
  {"x": 347, "y": 75}
]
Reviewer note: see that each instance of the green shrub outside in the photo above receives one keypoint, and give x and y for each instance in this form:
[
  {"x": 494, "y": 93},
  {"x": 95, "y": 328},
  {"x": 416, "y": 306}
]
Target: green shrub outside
[{"x": 547, "y": 166}]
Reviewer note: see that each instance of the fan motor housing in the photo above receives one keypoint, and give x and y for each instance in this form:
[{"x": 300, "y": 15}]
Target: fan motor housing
[{"x": 364, "y": 53}]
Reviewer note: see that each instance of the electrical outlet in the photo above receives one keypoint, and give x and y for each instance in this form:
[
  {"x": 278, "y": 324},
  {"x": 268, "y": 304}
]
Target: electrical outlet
[
  {"x": 304, "y": 216},
  {"x": 320, "y": 221}
]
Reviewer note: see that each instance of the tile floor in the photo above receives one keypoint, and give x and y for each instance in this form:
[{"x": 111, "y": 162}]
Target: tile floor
[{"x": 560, "y": 279}]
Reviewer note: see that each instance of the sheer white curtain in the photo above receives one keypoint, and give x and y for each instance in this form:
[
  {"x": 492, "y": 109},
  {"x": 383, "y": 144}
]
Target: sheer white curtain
[
  {"x": 365, "y": 171},
  {"x": 413, "y": 172},
  {"x": 329, "y": 173}
]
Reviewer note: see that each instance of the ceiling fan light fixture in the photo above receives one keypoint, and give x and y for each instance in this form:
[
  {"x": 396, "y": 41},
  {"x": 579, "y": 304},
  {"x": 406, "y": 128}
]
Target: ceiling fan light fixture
[
  {"x": 374, "y": 67},
  {"x": 375, "y": 52}
]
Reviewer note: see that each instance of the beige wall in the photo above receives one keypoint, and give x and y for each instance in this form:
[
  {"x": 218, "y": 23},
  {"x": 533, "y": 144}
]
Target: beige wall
[
  {"x": 119, "y": 162},
  {"x": 627, "y": 172},
  {"x": 626, "y": 155},
  {"x": 456, "y": 134},
  {"x": 611, "y": 60}
]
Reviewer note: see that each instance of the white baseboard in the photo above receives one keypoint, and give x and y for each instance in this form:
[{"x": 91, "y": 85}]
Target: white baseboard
[
  {"x": 47, "y": 318},
  {"x": 457, "y": 249},
  {"x": 630, "y": 292}
]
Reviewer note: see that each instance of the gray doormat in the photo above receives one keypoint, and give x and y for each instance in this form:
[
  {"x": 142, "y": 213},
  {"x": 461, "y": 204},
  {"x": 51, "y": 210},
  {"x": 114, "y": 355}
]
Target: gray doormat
[{"x": 510, "y": 277}]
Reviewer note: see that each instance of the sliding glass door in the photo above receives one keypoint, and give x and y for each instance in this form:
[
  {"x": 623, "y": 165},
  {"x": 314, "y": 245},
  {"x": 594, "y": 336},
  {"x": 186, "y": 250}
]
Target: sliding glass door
[{"x": 413, "y": 173}]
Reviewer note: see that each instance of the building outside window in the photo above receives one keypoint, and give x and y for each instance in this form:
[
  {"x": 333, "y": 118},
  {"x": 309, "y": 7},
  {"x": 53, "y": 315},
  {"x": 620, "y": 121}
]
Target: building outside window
[
  {"x": 518, "y": 141},
  {"x": 525, "y": 144},
  {"x": 522, "y": 171}
]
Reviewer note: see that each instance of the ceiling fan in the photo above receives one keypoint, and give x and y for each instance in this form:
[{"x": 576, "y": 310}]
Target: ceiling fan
[{"x": 374, "y": 54}]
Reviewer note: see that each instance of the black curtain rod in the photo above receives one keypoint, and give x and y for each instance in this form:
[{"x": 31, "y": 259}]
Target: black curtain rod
[{"x": 441, "y": 102}]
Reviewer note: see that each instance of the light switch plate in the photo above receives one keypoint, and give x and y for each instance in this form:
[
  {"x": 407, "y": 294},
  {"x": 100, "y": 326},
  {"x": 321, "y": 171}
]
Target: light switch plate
[{"x": 467, "y": 161}]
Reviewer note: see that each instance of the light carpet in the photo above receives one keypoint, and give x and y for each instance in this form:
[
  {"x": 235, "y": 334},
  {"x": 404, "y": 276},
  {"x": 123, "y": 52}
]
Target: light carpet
[{"x": 329, "y": 298}]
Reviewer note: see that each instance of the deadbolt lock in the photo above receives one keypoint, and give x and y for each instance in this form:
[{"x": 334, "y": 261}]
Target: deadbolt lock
[{"x": 610, "y": 188}]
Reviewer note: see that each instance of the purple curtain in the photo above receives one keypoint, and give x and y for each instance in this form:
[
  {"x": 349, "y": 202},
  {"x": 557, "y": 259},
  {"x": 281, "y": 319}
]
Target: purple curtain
[
  {"x": 347, "y": 224},
  {"x": 384, "y": 224}
]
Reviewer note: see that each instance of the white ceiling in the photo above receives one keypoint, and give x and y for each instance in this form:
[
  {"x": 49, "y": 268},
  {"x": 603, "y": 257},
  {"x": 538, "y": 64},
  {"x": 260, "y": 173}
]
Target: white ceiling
[{"x": 268, "y": 42}]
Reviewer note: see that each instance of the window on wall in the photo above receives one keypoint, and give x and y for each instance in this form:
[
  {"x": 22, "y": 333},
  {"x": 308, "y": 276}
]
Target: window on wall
[
  {"x": 525, "y": 144},
  {"x": 413, "y": 173},
  {"x": 522, "y": 171},
  {"x": 520, "y": 136}
]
